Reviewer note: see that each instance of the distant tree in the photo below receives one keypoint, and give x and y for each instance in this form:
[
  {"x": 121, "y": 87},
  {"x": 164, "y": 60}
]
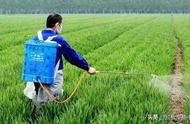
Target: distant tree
[{"x": 94, "y": 6}]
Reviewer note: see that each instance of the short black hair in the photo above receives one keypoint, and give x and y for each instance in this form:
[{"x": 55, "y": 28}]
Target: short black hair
[{"x": 52, "y": 19}]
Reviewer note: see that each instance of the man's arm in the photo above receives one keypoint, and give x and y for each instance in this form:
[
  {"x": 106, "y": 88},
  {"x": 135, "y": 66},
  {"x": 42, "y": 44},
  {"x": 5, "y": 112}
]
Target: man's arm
[{"x": 71, "y": 55}]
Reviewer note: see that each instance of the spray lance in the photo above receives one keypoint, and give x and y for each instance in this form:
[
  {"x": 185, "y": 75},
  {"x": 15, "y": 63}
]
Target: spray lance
[{"x": 81, "y": 78}]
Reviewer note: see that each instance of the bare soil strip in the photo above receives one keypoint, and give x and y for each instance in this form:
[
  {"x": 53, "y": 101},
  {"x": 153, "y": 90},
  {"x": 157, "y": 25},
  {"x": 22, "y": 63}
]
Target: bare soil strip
[{"x": 177, "y": 94}]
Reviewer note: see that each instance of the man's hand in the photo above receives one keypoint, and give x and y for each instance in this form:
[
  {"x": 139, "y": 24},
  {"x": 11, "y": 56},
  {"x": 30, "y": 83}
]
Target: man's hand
[{"x": 92, "y": 71}]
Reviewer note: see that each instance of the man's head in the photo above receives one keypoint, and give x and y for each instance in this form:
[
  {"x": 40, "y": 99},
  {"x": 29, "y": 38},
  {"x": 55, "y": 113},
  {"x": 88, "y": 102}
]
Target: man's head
[{"x": 54, "y": 21}]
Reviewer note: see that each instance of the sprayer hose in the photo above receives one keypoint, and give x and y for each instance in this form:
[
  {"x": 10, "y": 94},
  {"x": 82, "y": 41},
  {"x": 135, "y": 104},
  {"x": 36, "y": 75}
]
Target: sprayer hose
[{"x": 52, "y": 98}]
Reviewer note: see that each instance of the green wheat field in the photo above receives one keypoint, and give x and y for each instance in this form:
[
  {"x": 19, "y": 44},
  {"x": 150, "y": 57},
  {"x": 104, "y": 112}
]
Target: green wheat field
[{"x": 126, "y": 42}]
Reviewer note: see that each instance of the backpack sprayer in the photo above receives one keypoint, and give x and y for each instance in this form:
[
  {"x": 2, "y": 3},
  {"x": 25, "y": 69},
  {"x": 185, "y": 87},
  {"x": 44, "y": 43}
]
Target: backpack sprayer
[
  {"x": 39, "y": 66},
  {"x": 40, "y": 61}
]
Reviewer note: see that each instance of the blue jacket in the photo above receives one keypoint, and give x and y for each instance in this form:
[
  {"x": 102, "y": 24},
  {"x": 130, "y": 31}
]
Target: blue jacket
[{"x": 70, "y": 54}]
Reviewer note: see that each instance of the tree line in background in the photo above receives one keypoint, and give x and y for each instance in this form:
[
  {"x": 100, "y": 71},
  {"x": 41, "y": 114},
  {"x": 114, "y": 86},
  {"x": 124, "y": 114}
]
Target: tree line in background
[{"x": 94, "y": 6}]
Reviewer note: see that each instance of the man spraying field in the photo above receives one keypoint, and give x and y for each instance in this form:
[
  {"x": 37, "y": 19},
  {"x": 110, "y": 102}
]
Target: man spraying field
[{"x": 54, "y": 27}]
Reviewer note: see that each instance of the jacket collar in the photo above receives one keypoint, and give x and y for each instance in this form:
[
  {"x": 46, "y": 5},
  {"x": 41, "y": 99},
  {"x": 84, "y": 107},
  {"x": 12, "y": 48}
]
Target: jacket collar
[{"x": 49, "y": 31}]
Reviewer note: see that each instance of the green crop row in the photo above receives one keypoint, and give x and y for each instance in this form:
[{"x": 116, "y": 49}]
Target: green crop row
[{"x": 27, "y": 29}]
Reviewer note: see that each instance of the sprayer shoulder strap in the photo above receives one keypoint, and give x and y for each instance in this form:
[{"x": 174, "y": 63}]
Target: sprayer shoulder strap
[
  {"x": 51, "y": 38},
  {"x": 40, "y": 37}
]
